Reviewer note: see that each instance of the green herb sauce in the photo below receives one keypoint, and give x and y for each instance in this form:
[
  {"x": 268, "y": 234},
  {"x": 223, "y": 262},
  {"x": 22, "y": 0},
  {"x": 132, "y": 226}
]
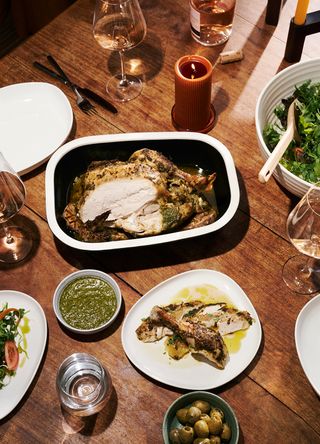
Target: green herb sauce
[{"x": 87, "y": 302}]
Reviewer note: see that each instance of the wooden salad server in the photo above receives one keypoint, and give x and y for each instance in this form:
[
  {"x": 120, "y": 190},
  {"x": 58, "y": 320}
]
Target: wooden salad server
[{"x": 290, "y": 133}]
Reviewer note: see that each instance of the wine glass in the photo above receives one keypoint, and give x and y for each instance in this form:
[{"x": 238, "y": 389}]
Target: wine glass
[
  {"x": 119, "y": 25},
  {"x": 15, "y": 244},
  {"x": 303, "y": 226}
]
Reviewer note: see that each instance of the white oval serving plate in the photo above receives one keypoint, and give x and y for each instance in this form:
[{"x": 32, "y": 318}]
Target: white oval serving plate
[{"x": 188, "y": 373}]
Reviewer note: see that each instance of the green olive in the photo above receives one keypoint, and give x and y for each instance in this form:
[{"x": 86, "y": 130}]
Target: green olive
[
  {"x": 217, "y": 412},
  {"x": 201, "y": 441},
  {"x": 226, "y": 432},
  {"x": 205, "y": 417},
  {"x": 204, "y": 406},
  {"x": 201, "y": 428},
  {"x": 215, "y": 425},
  {"x": 174, "y": 436},
  {"x": 182, "y": 415},
  {"x": 193, "y": 415},
  {"x": 215, "y": 439},
  {"x": 186, "y": 435}
]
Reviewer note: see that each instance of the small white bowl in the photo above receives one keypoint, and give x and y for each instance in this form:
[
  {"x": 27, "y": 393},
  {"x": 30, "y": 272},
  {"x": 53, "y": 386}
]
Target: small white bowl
[
  {"x": 78, "y": 274},
  {"x": 279, "y": 87}
]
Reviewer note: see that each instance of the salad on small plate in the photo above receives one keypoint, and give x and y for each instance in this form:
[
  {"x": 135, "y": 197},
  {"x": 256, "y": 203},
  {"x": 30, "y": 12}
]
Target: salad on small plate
[
  {"x": 11, "y": 342},
  {"x": 23, "y": 337}
]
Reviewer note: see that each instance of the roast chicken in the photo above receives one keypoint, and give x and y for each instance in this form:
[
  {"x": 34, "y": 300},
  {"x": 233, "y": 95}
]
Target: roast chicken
[
  {"x": 146, "y": 195},
  {"x": 194, "y": 327}
]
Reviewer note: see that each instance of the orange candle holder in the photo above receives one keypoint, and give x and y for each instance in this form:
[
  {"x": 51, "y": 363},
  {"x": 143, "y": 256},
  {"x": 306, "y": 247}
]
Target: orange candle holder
[{"x": 193, "y": 110}]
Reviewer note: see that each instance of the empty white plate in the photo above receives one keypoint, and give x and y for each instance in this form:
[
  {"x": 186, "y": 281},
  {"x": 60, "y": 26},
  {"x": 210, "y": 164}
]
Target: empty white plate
[
  {"x": 307, "y": 337},
  {"x": 35, "y": 119}
]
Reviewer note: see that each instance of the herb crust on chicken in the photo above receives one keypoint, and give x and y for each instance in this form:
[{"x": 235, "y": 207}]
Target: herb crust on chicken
[{"x": 146, "y": 195}]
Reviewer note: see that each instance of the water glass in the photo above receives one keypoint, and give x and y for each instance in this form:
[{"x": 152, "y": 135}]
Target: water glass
[{"x": 84, "y": 386}]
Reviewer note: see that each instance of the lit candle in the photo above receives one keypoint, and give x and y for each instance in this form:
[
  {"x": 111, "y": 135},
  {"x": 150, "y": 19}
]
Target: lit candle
[
  {"x": 301, "y": 12},
  {"x": 193, "y": 79}
]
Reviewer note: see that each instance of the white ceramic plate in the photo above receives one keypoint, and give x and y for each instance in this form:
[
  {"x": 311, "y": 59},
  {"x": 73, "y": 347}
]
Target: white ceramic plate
[
  {"x": 188, "y": 373},
  {"x": 35, "y": 339},
  {"x": 35, "y": 119},
  {"x": 307, "y": 337}
]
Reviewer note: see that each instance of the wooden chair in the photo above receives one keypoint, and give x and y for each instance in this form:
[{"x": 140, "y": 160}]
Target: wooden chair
[{"x": 273, "y": 11}]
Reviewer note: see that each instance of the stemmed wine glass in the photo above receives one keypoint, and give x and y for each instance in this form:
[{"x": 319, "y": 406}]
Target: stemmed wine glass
[
  {"x": 119, "y": 25},
  {"x": 303, "y": 226},
  {"x": 15, "y": 244}
]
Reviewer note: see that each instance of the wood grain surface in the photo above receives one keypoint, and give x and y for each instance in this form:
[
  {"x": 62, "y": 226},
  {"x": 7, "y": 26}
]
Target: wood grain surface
[{"x": 272, "y": 398}]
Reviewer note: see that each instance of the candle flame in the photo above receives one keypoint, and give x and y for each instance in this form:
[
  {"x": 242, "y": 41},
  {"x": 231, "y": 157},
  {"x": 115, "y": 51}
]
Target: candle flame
[{"x": 193, "y": 69}]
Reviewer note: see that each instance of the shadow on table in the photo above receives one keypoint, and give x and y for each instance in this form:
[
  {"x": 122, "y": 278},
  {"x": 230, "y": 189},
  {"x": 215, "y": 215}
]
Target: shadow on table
[
  {"x": 31, "y": 230},
  {"x": 91, "y": 425},
  {"x": 293, "y": 199},
  {"x": 144, "y": 61}
]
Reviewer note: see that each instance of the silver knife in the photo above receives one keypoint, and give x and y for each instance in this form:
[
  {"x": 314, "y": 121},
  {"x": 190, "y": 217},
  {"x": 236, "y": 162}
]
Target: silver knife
[{"x": 86, "y": 91}]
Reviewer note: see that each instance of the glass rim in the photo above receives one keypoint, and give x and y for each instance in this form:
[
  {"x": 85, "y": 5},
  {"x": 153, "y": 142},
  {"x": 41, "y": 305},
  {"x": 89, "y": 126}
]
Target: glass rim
[
  {"x": 65, "y": 364},
  {"x": 314, "y": 187}
]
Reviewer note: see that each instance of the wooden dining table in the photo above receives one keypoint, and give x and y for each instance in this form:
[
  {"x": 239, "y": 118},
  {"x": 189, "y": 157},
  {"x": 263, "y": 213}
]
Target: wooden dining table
[{"x": 272, "y": 397}]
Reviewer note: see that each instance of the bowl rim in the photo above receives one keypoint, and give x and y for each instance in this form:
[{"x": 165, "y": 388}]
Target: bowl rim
[
  {"x": 148, "y": 240},
  {"x": 277, "y": 76},
  {"x": 74, "y": 275},
  {"x": 199, "y": 393},
  {"x": 259, "y": 131}
]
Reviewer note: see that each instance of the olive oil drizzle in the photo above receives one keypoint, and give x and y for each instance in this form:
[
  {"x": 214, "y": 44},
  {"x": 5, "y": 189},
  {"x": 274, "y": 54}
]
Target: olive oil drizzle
[
  {"x": 209, "y": 294},
  {"x": 24, "y": 328}
]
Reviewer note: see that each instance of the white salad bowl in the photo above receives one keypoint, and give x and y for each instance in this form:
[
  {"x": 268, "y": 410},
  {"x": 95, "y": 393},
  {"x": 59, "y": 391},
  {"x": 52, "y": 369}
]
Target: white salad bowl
[
  {"x": 183, "y": 148},
  {"x": 280, "y": 87}
]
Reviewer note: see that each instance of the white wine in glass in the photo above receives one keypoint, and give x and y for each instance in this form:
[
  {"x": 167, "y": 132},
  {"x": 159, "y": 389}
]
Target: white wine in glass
[
  {"x": 119, "y": 25},
  {"x": 15, "y": 243},
  {"x": 302, "y": 275}
]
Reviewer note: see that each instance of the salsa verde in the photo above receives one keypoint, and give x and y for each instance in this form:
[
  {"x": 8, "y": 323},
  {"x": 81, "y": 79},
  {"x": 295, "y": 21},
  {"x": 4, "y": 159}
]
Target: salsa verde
[{"x": 87, "y": 302}]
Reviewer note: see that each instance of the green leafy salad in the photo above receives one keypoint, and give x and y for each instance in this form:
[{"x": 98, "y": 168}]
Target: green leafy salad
[
  {"x": 302, "y": 159},
  {"x": 10, "y": 342}
]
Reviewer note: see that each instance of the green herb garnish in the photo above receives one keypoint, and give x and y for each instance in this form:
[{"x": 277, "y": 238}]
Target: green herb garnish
[
  {"x": 10, "y": 341},
  {"x": 302, "y": 159}
]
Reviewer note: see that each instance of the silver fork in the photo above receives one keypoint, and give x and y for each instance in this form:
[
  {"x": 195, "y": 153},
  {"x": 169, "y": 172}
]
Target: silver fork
[{"x": 82, "y": 102}]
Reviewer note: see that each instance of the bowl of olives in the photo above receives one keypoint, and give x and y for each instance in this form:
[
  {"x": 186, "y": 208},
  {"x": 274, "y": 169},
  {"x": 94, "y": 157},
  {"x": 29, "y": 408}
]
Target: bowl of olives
[{"x": 200, "y": 418}]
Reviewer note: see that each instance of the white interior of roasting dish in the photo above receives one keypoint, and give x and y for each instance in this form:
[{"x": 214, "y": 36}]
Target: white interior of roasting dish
[{"x": 183, "y": 148}]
